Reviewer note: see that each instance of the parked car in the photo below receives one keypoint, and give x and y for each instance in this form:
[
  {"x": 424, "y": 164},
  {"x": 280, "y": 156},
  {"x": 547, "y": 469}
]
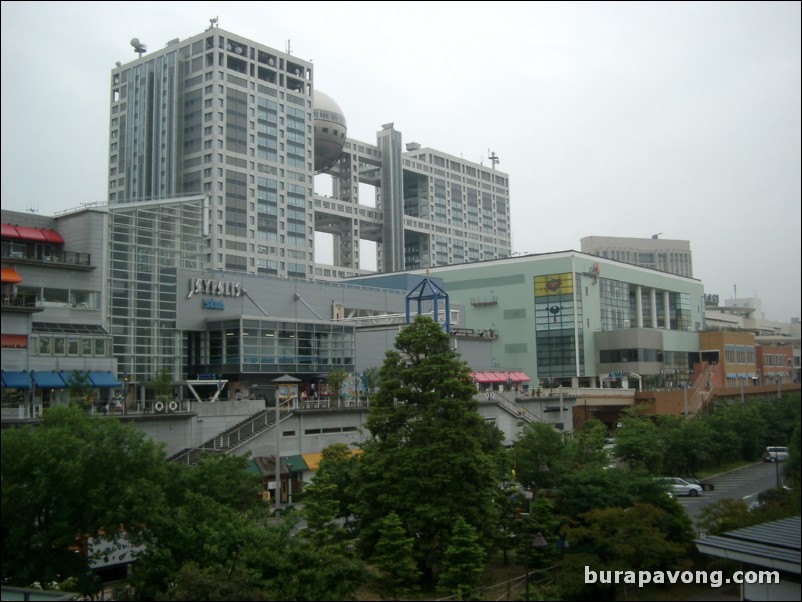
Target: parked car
[
  {"x": 775, "y": 454},
  {"x": 705, "y": 485},
  {"x": 679, "y": 486}
]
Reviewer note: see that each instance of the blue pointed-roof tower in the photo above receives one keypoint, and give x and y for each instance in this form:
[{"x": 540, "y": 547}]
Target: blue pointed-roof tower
[{"x": 428, "y": 290}]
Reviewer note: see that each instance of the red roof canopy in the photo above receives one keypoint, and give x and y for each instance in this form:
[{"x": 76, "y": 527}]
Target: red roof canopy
[
  {"x": 53, "y": 237},
  {"x": 9, "y": 231},
  {"x": 480, "y": 377},
  {"x": 34, "y": 234},
  {"x": 518, "y": 377},
  {"x": 500, "y": 377}
]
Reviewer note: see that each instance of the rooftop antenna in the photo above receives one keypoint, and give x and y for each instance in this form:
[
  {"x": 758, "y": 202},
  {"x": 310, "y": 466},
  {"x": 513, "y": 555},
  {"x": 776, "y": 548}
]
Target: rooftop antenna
[
  {"x": 139, "y": 47},
  {"x": 493, "y": 158},
  {"x": 289, "y": 46},
  {"x": 213, "y": 22}
]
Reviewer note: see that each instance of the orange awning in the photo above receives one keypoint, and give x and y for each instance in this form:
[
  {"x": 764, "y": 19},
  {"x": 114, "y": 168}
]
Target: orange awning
[
  {"x": 14, "y": 341},
  {"x": 10, "y": 276}
]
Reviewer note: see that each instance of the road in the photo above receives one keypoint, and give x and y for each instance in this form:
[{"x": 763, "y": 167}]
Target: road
[{"x": 740, "y": 484}]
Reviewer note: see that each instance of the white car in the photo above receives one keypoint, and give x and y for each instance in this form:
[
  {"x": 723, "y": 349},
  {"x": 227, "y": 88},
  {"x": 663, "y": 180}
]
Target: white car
[
  {"x": 775, "y": 454},
  {"x": 679, "y": 486}
]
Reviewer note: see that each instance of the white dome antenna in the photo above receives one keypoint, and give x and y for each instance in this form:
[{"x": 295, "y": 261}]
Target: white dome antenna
[{"x": 139, "y": 47}]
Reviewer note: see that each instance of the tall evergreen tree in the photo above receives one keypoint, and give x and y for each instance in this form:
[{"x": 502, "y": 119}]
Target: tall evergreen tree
[
  {"x": 463, "y": 561},
  {"x": 393, "y": 557},
  {"x": 430, "y": 456}
]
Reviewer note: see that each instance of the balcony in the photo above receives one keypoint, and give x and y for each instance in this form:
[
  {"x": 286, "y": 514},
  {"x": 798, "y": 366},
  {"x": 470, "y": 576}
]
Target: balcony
[
  {"x": 22, "y": 303},
  {"x": 44, "y": 255}
]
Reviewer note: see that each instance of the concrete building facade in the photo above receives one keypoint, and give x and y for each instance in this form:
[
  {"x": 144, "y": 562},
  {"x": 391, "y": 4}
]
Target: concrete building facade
[
  {"x": 242, "y": 123},
  {"x": 662, "y": 254},
  {"x": 579, "y": 320}
]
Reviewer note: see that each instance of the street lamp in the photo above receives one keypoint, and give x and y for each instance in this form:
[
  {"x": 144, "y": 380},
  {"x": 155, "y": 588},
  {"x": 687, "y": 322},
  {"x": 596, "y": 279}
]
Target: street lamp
[
  {"x": 539, "y": 543},
  {"x": 685, "y": 399},
  {"x": 289, "y": 483}
]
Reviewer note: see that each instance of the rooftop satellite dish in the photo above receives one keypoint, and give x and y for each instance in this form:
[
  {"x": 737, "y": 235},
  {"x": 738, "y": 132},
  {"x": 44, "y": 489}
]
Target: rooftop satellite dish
[
  {"x": 139, "y": 47},
  {"x": 119, "y": 64}
]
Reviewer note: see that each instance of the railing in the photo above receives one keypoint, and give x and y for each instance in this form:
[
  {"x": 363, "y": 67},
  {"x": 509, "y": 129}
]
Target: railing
[
  {"x": 44, "y": 254},
  {"x": 511, "y": 407},
  {"x": 237, "y": 435},
  {"x": 21, "y": 301}
]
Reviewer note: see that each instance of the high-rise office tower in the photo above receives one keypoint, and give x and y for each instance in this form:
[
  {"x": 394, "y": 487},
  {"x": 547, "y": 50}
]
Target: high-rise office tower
[{"x": 243, "y": 125}]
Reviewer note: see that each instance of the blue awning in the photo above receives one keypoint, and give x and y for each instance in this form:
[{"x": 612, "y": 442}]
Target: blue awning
[
  {"x": 16, "y": 380},
  {"x": 104, "y": 379},
  {"x": 48, "y": 380}
]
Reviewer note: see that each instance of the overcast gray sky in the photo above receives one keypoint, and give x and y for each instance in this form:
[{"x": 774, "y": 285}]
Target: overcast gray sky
[{"x": 611, "y": 119}]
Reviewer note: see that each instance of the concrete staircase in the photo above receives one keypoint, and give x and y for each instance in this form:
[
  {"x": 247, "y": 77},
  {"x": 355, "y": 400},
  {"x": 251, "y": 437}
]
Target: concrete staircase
[{"x": 234, "y": 437}]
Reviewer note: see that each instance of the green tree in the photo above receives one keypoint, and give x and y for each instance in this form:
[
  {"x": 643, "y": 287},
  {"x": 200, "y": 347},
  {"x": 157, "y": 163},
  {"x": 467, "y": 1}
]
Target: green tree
[
  {"x": 222, "y": 478},
  {"x": 624, "y": 539},
  {"x": 687, "y": 444},
  {"x": 724, "y": 515},
  {"x": 70, "y": 477},
  {"x": 739, "y": 432},
  {"x": 536, "y": 452},
  {"x": 463, "y": 560},
  {"x": 593, "y": 488},
  {"x": 586, "y": 447},
  {"x": 791, "y": 469},
  {"x": 79, "y": 386},
  {"x": 370, "y": 378},
  {"x": 163, "y": 383},
  {"x": 216, "y": 584},
  {"x": 430, "y": 456},
  {"x": 393, "y": 557},
  {"x": 637, "y": 441},
  {"x": 331, "y": 493},
  {"x": 335, "y": 379}
]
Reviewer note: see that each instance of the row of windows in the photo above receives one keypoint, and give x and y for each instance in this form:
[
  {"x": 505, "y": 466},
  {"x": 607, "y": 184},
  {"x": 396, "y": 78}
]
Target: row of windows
[
  {"x": 770, "y": 359},
  {"x": 739, "y": 354},
  {"x": 62, "y": 297},
  {"x": 327, "y": 430},
  {"x": 70, "y": 346}
]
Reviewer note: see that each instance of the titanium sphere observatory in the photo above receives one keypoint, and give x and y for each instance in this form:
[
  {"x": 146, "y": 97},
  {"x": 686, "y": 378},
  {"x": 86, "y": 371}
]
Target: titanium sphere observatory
[{"x": 330, "y": 131}]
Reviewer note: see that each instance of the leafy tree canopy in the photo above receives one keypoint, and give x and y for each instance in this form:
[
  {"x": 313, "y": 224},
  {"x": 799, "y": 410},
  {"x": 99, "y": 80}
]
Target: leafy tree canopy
[
  {"x": 70, "y": 477},
  {"x": 430, "y": 456}
]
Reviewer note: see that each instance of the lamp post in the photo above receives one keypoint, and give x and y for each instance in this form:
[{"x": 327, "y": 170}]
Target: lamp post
[
  {"x": 538, "y": 543},
  {"x": 777, "y": 471},
  {"x": 289, "y": 483},
  {"x": 685, "y": 399},
  {"x": 278, "y": 456}
]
